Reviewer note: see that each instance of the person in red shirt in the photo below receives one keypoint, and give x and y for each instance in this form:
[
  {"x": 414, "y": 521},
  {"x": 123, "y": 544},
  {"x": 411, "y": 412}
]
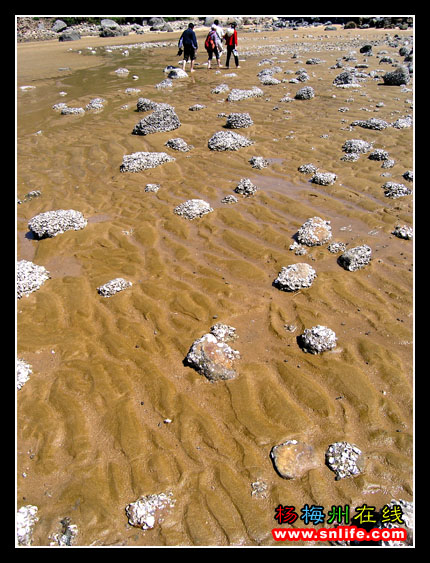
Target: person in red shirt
[{"x": 231, "y": 43}]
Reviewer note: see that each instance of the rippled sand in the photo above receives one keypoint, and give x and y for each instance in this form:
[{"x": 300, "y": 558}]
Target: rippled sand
[{"x": 108, "y": 372}]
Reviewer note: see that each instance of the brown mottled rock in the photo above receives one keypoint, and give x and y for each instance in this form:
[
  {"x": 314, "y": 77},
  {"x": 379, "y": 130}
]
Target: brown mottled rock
[
  {"x": 293, "y": 459},
  {"x": 211, "y": 356}
]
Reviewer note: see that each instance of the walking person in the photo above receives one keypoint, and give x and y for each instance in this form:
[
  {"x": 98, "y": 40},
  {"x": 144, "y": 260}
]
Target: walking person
[
  {"x": 188, "y": 42},
  {"x": 231, "y": 43},
  {"x": 211, "y": 46}
]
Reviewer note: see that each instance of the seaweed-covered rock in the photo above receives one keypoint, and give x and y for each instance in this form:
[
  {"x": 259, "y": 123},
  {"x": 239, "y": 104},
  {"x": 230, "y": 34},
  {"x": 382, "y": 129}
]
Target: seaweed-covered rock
[
  {"x": 314, "y": 232},
  {"x": 345, "y": 459},
  {"x": 138, "y": 161},
  {"x": 293, "y": 459},
  {"x": 211, "y": 356},
  {"x": 52, "y": 223},
  {"x": 356, "y": 258},
  {"x": 228, "y": 141},
  {"x": 113, "y": 286},
  {"x": 29, "y": 277},
  {"x": 162, "y": 119},
  {"x": 295, "y": 277},
  {"x": 317, "y": 339},
  {"x": 193, "y": 208}
]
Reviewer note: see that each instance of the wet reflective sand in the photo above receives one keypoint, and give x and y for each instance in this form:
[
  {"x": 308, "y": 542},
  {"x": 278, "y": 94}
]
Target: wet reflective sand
[{"x": 108, "y": 372}]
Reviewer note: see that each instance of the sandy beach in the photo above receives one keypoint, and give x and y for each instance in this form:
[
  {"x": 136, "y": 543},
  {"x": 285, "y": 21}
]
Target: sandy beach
[{"x": 111, "y": 412}]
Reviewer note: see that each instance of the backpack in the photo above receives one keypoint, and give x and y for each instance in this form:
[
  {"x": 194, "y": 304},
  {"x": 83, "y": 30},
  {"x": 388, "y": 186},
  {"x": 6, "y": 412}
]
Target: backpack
[{"x": 210, "y": 41}]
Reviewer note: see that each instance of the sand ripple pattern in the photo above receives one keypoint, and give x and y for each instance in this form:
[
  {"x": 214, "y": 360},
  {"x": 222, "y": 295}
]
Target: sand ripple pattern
[{"x": 108, "y": 373}]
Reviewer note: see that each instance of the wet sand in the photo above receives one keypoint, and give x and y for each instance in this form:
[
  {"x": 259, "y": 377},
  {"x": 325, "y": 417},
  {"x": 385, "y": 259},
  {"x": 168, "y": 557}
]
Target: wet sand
[{"x": 107, "y": 372}]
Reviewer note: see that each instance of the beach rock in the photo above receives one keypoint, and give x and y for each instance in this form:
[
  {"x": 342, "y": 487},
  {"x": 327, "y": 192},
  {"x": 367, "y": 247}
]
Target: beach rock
[
  {"x": 177, "y": 73},
  {"x": 345, "y": 459},
  {"x": 307, "y": 168},
  {"x": 335, "y": 247},
  {"x": 305, "y": 93},
  {"x": 29, "y": 277},
  {"x": 162, "y": 119},
  {"x": 96, "y": 104},
  {"x": 378, "y": 154},
  {"x": 238, "y": 120},
  {"x": 138, "y": 161},
  {"x": 403, "y": 232},
  {"x": 178, "y": 144},
  {"x": 113, "y": 286},
  {"x": 345, "y": 77},
  {"x": 25, "y": 520},
  {"x": 145, "y": 104},
  {"x": 237, "y": 94},
  {"x": 152, "y": 187},
  {"x": 356, "y": 146},
  {"x": 228, "y": 141},
  {"x": 220, "y": 89},
  {"x": 67, "y": 535},
  {"x": 66, "y": 110},
  {"x": 58, "y": 26},
  {"x": 211, "y": 356},
  {"x": 314, "y": 232},
  {"x": 295, "y": 277},
  {"x": 258, "y": 162},
  {"x": 324, "y": 178},
  {"x": 356, "y": 258},
  {"x": 53, "y": 223},
  {"x": 397, "y": 77},
  {"x": 293, "y": 459},
  {"x": 229, "y": 199},
  {"x": 23, "y": 371},
  {"x": 394, "y": 190},
  {"x": 193, "y": 208},
  {"x": 372, "y": 123},
  {"x": 69, "y": 35},
  {"x": 317, "y": 339},
  {"x": 245, "y": 187},
  {"x": 143, "y": 512},
  {"x": 407, "y": 511}
]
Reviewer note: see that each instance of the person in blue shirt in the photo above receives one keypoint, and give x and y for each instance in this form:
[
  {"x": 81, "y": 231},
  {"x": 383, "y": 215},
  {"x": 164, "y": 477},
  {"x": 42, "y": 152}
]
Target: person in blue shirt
[{"x": 188, "y": 42}]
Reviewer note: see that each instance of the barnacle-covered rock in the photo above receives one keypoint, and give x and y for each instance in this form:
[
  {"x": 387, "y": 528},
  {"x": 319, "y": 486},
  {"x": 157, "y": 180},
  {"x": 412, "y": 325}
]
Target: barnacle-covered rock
[
  {"x": 52, "y": 223},
  {"x": 193, "y": 208},
  {"x": 314, "y": 232},
  {"x": 29, "y": 277},
  {"x": 162, "y": 119},
  {"x": 258, "y": 162},
  {"x": 25, "y": 520},
  {"x": 372, "y": 123},
  {"x": 245, "y": 187},
  {"x": 138, "y": 161},
  {"x": 178, "y": 144},
  {"x": 403, "y": 232},
  {"x": 305, "y": 93},
  {"x": 394, "y": 190},
  {"x": 324, "y": 178},
  {"x": 228, "y": 141},
  {"x": 113, "y": 286},
  {"x": 143, "y": 512},
  {"x": 295, "y": 276},
  {"x": 211, "y": 356},
  {"x": 356, "y": 146},
  {"x": 237, "y": 94},
  {"x": 356, "y": 258},
  {"x": 23, "y": 371},
  {"x": 238, "y": 120},
  {"x": 318, "y": 339},
  {"x": 345, "y": 459}
]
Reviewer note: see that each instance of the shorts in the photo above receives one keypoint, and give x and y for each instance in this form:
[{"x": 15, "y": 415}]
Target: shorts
[{"x": 189, "y": 53}]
